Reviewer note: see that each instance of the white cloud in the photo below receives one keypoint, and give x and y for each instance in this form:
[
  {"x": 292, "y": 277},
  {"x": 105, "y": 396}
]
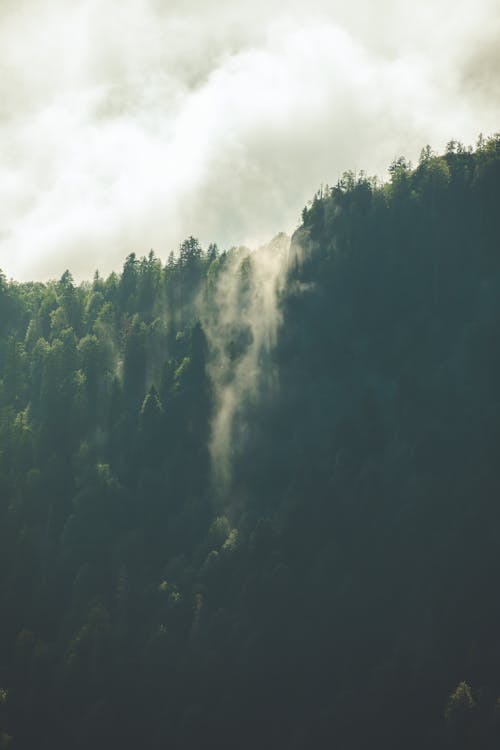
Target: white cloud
[{"x": 128, "y": 126}]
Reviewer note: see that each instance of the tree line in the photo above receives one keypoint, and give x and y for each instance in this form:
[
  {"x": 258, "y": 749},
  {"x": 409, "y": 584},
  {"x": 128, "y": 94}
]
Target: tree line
[{"x": 338, "y": 588}]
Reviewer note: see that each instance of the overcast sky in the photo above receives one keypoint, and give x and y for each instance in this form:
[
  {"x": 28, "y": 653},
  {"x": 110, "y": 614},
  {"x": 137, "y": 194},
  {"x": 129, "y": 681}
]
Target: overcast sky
[{"x": 130, "y": 125}]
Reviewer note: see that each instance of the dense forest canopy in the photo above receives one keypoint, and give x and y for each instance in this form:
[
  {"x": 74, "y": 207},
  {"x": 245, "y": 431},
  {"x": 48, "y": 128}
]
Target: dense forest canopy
[{"x": 252, "y": 499}]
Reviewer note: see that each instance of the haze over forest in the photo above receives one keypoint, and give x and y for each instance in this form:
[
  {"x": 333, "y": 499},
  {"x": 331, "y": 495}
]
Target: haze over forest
[
  {"x": 255, "y": 495},
  {"x": 249, "y": 420}
]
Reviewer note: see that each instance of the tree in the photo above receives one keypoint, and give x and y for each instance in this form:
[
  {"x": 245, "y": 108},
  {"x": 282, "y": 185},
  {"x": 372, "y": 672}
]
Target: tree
[
  {"x": 134, "y": 363},
  {"x": 151, "y": 427}
]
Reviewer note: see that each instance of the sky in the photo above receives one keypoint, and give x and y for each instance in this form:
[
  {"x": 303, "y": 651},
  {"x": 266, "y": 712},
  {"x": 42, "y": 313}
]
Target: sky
[{"x": 128, "y": 126}]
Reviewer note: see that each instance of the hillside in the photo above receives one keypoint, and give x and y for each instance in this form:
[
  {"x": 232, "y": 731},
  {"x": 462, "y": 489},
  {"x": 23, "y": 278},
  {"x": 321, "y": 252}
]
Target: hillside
[{"x": 253, "y": 499}]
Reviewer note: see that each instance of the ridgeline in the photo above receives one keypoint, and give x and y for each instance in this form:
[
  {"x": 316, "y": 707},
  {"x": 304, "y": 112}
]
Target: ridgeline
[{"x": 252, "y": 500}]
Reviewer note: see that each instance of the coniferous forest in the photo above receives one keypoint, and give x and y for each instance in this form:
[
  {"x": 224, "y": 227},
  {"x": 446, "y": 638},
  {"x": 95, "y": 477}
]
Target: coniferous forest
[{"x": 252, "y": 499}]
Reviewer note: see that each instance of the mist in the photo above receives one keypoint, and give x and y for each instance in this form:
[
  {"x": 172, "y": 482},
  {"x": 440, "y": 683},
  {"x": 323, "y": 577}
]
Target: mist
[
  {"x": 242, "y": 329},
  {"x": 129, "y": 128}
]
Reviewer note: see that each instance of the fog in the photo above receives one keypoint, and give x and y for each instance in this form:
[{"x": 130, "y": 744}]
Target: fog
[
  {"x": 129, "y": 126},
  {"x": 241, "y": 328}
]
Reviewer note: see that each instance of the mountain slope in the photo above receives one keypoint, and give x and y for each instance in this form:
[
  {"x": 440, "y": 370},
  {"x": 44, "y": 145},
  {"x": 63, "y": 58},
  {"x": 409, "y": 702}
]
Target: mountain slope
[{"x": 251, "y": 499}]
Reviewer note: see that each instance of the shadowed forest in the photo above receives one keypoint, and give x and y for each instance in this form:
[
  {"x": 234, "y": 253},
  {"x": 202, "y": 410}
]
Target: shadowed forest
[{"x": 252, "y": 499}]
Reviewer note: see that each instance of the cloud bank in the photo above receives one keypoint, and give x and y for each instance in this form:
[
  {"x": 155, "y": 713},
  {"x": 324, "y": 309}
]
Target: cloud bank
[{"x": 129, "y": 126}]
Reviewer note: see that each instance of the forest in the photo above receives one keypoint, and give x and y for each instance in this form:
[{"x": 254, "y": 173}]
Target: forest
[{"x": 252, "y": 499}]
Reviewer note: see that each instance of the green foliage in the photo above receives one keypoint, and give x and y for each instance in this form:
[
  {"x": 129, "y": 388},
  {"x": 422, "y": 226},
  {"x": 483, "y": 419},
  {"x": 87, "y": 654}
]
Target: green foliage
[
  {"x": 460, "y": 703},
  {"x": 327, "y": 592},
  {"x": 219, "y": 531}
]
